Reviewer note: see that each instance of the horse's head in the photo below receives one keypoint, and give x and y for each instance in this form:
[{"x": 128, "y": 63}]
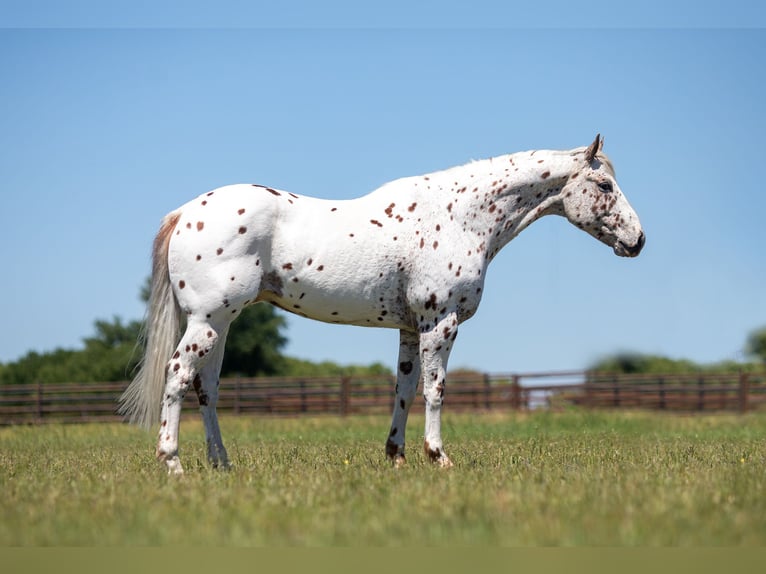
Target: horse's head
[{"x": 592, "y": 201}]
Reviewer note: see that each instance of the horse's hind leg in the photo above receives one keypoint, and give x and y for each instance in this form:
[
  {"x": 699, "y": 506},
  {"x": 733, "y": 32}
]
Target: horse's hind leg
[
  {"x": 206, "y": 386},
  {"x": 198, "y": 342}
]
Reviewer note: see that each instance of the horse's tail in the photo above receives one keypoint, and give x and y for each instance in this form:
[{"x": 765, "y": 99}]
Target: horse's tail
[{"x": 140, "y": 403}]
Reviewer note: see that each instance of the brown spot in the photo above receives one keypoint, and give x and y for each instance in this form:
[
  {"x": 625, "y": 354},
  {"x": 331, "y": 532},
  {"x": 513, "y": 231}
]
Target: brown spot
[
  {"x": 405, "y": 367},
  {"x": 199, "y": 257},
  {"x": 188, "y": 225},
  {"x": 393, "y": 431},
  {"x": 431, "y": 303},
  {"x": 436, "y": 244},
  {"x": 242, "y": 230},
  {"x": 209, "y": 334},
  {"x": 287, "y": 266},
  {"x": 272, "y": 191},
  {"x": 181, "y": 284},
  {"x": 204, "y": 202},
  {"x": 390, "y": 210},
  {"x": 320, "y": 267},
  {"x": 334, "y": 209},
  {"x": 391, "y": 449},
  {"x": 432, "y": 454},
  {"x": 241, "y": 211},
  {"x": 402, "y": 404},
  {"x": 412, "y": 207},
  {"x": 176, "y": 367},
  {"x": 200, "y": 225},
  {"x": 177, "y": 354},
  {"x": 422, "y": 242},
  {"x": 219, "y": 251},
  {"x": 376, "y": 222}
]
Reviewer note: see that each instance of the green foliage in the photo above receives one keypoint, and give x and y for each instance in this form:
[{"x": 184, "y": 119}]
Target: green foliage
[
  {"x": 756, "y": 344},
  {"x": 637, "y": 363},
  {"x": 293, "y": 367},
  {"x": 254, "y": 344},
  {"x": 110, "y": 355},
  {"x": 632, "y": 363},
  {"x": 562, "y": 479}
]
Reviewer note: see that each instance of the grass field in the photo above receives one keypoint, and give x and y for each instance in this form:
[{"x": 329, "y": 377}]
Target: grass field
[{"x": 572, "y": 478}]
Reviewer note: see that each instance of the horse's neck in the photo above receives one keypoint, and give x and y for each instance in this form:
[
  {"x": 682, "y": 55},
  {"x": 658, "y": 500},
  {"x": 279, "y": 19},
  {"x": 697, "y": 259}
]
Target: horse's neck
[{"x": 504, "y": 195}]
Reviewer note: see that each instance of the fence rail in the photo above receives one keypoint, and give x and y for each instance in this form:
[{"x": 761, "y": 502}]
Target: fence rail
[{"x": 87, "y": 402}]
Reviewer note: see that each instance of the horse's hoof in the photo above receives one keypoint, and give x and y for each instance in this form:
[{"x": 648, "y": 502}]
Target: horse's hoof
[
  {"x": 174, "y": 466},
  {"x": 444, "y": 462}
]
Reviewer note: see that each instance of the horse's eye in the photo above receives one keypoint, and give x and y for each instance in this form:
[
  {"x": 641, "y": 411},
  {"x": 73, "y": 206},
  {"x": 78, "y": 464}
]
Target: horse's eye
[{"x": 605, "y": 186}]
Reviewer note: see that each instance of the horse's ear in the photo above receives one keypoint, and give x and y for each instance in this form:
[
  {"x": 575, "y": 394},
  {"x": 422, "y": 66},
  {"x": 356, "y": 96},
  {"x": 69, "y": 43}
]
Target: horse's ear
[{"x": 594, "y": 148}]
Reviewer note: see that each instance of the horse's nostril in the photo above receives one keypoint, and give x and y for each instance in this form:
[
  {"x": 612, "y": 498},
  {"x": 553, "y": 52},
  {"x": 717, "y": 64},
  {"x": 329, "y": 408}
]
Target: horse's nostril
[{"x": 636, "y": 249}]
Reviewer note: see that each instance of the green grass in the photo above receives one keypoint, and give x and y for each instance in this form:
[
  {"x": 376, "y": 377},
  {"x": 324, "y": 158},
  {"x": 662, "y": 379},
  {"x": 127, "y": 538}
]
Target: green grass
[{"x": 572, "y": 478}]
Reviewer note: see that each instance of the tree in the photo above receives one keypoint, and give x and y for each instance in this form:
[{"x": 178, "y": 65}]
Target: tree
[
  {"x": 634, "y": 363},
  {"x": 254, "y": 344},
  {"x": 756, "y": 344},
  {"x": 110, "y": 355}
]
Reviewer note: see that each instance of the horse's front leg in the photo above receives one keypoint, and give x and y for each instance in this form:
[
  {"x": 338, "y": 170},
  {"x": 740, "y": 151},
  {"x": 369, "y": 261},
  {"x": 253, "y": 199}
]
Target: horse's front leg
[
  {"x": 435, "y": 347},
  {"x": 407, "y": 376}
]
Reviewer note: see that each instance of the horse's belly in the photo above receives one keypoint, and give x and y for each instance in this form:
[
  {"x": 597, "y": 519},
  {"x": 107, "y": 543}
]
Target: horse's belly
[{"x": 361, "y": 305}]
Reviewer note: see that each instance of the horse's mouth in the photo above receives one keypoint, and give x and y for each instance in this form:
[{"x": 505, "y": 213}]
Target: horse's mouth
[{"x": 624, "y": 250}]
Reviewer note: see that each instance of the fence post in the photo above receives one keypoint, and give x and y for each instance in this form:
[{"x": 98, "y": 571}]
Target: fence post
[
  {"x": 744, "y": 392},
  {"x": 663, "y": 404},
  {"x": 236, "y": 396},
  {"x": 345, "y": 395},
  {"x": 39, "y": 401},
  {"x": 487, "y": 389},
  {"x": 616, "y": 391},
  {"x": 515, "y": 393},
  {"x": 304, "y": 405},
  {"x": 701, "y": 394}
]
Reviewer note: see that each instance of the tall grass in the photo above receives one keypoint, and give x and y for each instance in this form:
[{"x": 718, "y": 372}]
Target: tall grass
[{"x": 574, "y": 478}]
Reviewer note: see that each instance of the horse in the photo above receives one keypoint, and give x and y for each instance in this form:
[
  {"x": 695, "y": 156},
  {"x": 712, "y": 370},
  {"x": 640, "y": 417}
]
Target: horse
[{"x": 412, "y": 255}]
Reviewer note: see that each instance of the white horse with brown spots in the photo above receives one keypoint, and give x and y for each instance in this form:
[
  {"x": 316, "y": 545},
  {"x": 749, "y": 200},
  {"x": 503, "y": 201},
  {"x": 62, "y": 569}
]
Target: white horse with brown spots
[{"x": 411, "y": 256}]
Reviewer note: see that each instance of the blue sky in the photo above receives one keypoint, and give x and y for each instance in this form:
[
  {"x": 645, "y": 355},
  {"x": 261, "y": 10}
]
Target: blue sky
[{"x": 106, "y": 130}]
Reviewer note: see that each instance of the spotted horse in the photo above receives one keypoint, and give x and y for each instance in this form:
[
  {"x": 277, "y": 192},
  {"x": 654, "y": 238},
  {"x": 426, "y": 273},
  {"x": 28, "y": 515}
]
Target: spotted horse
[{"x": 412, "y": 256}]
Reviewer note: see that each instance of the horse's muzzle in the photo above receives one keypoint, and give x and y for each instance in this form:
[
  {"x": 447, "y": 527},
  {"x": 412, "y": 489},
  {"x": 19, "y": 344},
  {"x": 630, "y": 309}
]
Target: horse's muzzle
[{"x": 632, "y": 250}]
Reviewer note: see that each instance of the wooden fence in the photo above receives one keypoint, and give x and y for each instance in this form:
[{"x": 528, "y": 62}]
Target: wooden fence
[{"x": 88, "y": 402}]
